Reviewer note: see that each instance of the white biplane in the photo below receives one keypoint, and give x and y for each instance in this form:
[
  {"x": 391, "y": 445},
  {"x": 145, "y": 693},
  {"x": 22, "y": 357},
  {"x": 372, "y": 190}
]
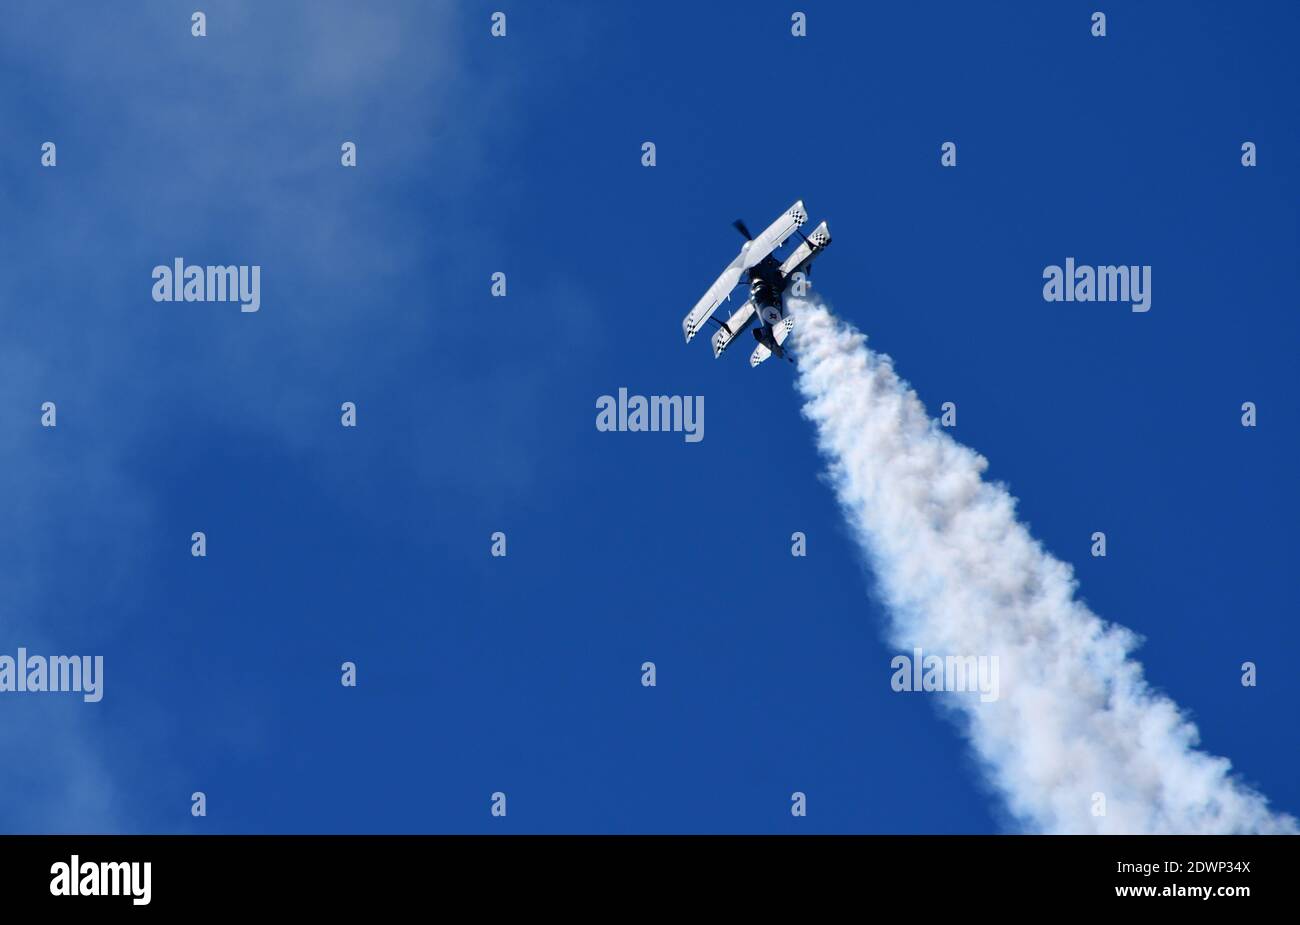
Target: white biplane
[{"x": 768, "y": 278}]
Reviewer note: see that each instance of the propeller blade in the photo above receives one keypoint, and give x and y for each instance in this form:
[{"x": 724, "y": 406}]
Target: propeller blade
[{"x": 740, "y": 226}]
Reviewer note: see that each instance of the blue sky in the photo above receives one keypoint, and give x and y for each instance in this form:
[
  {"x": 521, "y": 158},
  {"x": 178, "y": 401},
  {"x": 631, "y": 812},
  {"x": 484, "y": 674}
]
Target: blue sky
[{"x": 476, "y": 414}]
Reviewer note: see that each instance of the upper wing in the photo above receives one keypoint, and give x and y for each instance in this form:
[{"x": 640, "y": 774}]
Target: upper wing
[
  {"x": 717, "y": 292},
  {"x": 774, "y": 235}
]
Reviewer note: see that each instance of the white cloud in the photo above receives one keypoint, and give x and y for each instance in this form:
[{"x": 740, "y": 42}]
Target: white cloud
[{"x": 961, "y": 575}]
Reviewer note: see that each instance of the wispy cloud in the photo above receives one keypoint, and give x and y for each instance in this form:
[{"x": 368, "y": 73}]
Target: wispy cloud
[{"x": 223, "y": 149}]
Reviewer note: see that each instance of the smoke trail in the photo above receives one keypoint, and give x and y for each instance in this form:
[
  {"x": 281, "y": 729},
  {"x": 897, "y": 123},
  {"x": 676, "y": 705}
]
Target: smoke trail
[{"x": 961, "y": 576}]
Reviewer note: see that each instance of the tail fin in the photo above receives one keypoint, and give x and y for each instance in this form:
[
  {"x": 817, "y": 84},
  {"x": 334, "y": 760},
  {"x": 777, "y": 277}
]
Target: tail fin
[{"x": 782, "y": 329}]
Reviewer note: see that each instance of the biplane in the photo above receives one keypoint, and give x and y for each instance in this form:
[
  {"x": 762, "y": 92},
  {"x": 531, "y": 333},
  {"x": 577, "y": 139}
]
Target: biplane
[{"x": 767, "y": 278}]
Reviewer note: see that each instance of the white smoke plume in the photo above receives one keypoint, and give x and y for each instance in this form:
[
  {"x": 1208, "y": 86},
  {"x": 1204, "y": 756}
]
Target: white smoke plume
[{"x": 961, "y": 576}]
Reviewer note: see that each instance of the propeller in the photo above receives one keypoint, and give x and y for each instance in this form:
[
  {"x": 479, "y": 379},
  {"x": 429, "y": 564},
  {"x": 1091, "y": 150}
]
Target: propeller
[{"x": 740, "y": 226}]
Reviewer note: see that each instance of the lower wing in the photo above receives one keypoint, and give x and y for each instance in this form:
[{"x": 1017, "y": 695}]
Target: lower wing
[
  {"x": 802, "y": 255},
  {"x": 741, "y": 319}
]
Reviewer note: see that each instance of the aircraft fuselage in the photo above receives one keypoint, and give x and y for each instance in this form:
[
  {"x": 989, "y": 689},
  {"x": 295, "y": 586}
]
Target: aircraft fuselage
[{"x": 766, "y": 286}]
